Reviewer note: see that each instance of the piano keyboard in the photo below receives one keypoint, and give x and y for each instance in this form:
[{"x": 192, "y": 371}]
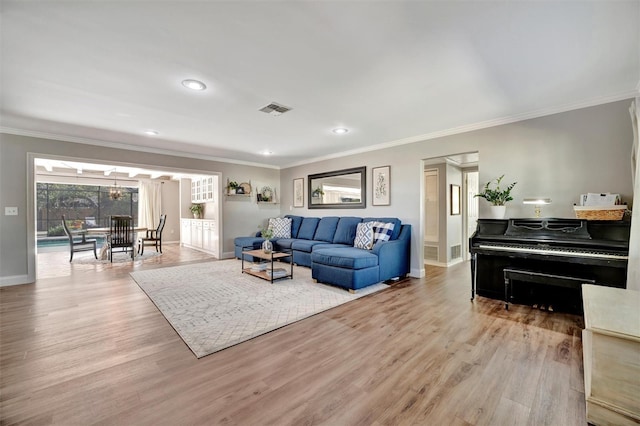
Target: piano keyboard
[{"x": 552, "y": 251}]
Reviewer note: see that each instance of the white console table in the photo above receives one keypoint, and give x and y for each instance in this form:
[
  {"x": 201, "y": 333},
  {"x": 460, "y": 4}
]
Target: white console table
[{"x": 611, "y": 350}]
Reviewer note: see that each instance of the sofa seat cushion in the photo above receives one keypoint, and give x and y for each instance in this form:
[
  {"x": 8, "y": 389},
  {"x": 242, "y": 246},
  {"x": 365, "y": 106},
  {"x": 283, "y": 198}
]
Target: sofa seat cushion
[
  {"x": 347, "y": 257},
  {"x": 329, "y": 246},
  {"x": 305, "y": 245}
]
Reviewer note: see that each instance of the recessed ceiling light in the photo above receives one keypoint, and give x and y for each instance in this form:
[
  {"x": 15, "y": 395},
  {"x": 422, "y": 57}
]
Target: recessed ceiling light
[
  {"x": 194, "y": 84},
  {"x": 267, "y": 152},
  {"x": 151, "y": 133},
  {"x": 340, "y": 131}
]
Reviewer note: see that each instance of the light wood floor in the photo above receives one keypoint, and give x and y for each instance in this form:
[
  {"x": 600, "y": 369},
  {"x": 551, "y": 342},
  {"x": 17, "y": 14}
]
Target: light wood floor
[{"x": 84, "y": 345}]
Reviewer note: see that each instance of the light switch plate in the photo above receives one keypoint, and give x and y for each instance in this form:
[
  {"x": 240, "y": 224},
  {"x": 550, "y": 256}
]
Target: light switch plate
[{"x": 11, "y": 211}]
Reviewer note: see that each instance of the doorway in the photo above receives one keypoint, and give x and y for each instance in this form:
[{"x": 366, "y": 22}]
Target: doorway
[
  {"x": 174, "y": 192},
  {"x": 450, "y": 208}
]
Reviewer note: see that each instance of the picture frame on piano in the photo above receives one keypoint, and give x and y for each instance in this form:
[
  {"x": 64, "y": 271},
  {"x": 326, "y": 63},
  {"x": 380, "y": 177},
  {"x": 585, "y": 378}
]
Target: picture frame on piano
[{"x": 455, "y": 199}]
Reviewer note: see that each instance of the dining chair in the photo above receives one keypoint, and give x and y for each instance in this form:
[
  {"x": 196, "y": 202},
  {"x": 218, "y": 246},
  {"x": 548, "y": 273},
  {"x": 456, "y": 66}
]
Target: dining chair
[
  {"x": 153, "y": 237},
  {"x": 121, "y": 235},
  {"x": 75, "y": 244}
]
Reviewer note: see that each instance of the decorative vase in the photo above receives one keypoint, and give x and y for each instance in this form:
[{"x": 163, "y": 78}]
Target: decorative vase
[
  {"x": 497, "y": 212},
  {"x": 267, "y": 246},
  {"x": 196, "y": 215}
]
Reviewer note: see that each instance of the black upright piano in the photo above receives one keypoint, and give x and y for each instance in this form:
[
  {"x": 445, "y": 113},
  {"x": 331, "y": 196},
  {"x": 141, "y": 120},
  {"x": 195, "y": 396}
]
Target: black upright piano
[{"x": 552, "y": 252}]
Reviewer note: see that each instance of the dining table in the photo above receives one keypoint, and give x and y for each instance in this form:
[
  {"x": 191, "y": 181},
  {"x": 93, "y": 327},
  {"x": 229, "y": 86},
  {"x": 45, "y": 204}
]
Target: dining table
[{"x": 104, "y": 250}]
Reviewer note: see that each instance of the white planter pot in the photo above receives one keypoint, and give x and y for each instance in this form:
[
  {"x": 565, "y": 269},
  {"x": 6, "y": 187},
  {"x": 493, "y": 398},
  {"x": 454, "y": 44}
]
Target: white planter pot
[{"x": 497, "y": 212}]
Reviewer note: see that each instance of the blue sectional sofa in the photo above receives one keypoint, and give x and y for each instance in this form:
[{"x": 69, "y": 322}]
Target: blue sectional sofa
[{"x": 326, "y": 245}]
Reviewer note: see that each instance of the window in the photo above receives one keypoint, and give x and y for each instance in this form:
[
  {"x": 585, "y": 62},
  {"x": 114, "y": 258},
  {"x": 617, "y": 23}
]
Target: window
[{"x": 83, "y": 205}]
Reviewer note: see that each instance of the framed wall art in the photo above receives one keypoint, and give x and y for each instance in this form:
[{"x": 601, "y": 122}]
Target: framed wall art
[
  {"x": 298, "y": 192},
  {"x": 381, "y": 177}
]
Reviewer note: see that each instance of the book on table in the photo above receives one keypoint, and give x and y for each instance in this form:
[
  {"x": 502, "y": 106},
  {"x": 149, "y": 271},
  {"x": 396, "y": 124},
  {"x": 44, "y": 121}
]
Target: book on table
[{"x": 277, "y": 272}]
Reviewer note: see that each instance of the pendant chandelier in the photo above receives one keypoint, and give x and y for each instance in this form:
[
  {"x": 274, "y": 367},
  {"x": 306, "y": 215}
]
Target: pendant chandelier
[{"x": 115, "y": 192}]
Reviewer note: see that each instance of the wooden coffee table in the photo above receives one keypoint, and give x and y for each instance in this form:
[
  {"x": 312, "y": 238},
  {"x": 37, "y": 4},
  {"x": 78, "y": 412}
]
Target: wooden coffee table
[{"x": 269, "y": 257}]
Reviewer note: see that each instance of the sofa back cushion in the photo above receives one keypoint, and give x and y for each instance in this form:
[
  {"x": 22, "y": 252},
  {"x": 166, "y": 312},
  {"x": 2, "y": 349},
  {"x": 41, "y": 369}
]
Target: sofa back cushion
[
  {"x": 346, "y": 230},
  {"x": 296, "y": 221},
  {"x": 308, "y": 228},
  {"x": 281, "y": 227},
  {"x": 326, "y": 229},
  {"x": 396, "y": 224}
]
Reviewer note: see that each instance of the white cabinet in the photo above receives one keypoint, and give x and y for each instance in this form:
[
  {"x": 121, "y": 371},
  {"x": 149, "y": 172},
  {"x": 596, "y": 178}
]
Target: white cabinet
[
  {"x": 196, "y": 233},
  {"x": 185, "y": 232},
  {"x": 200, "y": 234},
  {"x": 203, "y": 189},
  {"x": 210, "y": 236},
  {"x": 611, "y": 351}
]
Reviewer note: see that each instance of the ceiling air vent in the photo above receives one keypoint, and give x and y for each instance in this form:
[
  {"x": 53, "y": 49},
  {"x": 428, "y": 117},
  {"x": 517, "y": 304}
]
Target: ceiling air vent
[{"x": 275, "y": 109}]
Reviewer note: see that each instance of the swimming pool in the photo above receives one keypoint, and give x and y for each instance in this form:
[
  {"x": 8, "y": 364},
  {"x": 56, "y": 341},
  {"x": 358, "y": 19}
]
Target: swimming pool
[{"x": 62, "y": 243}]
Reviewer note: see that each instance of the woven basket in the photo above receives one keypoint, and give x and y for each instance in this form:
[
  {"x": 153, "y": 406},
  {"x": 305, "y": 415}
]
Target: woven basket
[{"x": 600, "y": 212}]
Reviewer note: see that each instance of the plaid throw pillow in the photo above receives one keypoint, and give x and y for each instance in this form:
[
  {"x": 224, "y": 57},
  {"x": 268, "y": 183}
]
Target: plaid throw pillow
[
  {"x": 364, "y": 236},
  {"x": 281, "y": 227},
  {"x": 382, "y": 231}
]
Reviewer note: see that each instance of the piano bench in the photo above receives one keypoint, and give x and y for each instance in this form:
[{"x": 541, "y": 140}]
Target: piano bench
[{"x": 539, "y": 278}]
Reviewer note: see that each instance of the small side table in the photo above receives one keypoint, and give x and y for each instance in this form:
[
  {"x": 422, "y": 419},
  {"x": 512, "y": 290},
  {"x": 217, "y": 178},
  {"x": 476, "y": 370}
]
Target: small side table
[{"x": 271, "y": 257}]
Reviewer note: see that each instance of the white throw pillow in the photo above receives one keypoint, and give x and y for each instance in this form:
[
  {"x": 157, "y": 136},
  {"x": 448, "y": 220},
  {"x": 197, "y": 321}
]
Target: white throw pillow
[
  {"x": 364, "y": 236},
  {"x": 281, "y": 227},
  {"x": 382, "y": 231}
]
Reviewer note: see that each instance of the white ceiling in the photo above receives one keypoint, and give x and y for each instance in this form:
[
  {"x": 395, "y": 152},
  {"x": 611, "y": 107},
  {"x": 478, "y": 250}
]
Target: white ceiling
[{"x": 103, "y": 72}]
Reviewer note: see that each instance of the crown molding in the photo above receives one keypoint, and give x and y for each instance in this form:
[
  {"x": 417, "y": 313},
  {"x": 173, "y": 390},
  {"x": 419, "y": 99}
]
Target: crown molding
[
  {"x": 476, "y": 126},
  {"x": 118, "y": 145},
  {"x": 405, "y": 141}
]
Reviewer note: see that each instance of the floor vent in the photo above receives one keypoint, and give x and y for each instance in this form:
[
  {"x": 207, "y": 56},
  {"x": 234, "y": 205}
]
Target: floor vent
[
  {"x": 275, "y": 109},
  {"x": 456, "y": 251},
  {"x": 431, "y": 253}
]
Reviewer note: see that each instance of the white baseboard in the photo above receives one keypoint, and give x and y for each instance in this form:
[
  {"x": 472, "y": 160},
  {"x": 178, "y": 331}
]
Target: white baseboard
[
  {"x": 417, "y": 273},
  {"x": 14, "y": 280},
  {"x": 441, "y": 264}
]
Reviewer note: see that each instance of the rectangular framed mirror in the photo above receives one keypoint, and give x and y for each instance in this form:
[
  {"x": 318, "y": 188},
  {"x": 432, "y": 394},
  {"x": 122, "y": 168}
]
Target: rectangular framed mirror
[{"x": 341, "y": 189}]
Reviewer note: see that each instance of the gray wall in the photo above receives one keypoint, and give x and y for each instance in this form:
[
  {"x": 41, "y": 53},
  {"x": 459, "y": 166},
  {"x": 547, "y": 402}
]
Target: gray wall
[{"x": 558, "y": 156}]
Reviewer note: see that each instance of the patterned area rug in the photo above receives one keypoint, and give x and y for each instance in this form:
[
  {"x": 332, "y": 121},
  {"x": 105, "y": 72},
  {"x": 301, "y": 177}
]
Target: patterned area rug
[{"x": 214, "y": 305}]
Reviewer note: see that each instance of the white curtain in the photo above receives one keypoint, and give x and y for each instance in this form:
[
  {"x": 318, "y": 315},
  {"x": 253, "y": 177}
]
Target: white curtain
[
  {"x": 633, "y": 273},
  {"x": 149, "y": 204}
]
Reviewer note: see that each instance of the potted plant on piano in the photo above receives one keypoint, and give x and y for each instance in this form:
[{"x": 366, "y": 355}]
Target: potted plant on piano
[{"x": 497, "y": 196}]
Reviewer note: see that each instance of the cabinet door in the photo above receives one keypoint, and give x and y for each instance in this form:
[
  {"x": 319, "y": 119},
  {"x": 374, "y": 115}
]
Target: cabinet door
[
  {"x": 208, "y": 189},
  {"x": 185, "y": 232},
  {"x": 210, "y": 236},
  {"x": 196, "y": 233}
]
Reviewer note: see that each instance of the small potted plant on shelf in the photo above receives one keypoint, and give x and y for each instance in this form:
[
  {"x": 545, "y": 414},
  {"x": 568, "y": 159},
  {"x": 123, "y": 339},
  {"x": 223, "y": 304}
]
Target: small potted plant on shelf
[
  {"x": 197, "y": 210},
  {"x": 232, "y": 186},
  {"x": 497, "y": 196}
]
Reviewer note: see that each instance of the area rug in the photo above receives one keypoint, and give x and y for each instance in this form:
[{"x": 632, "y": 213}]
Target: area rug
[{"x": 213, "y": 305}]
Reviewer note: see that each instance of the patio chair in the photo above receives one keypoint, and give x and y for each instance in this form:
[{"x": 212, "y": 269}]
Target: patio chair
[
  {"x": 75, "y": 244},
  {"x": 153, "y": 236},
  {"x": 121, "y": 235}
]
